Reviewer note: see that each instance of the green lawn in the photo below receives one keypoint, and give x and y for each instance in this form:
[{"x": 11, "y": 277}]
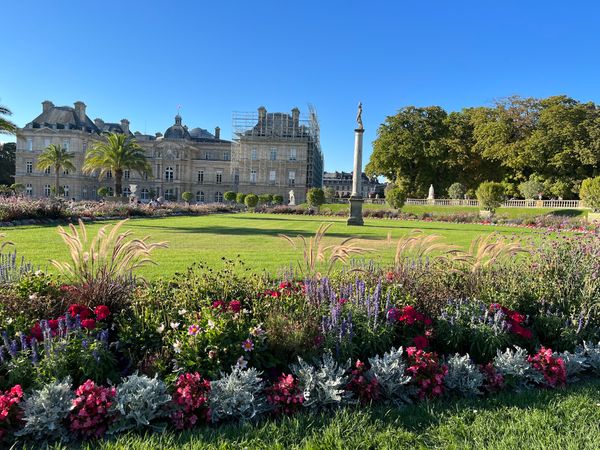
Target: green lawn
[
  {"x": 251, "y": 236},
  {"x": 568, "y": 419},
  {"x": 441, "y": 210}
]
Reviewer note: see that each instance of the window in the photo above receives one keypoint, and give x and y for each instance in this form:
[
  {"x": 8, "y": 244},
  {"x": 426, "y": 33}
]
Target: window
[
  {"x": 169, "y": 194},
  {"x": 145, "y": 194},
  {"x": 47, "y": 171},
  {"x": 126, "y": 174},
  {"x": 272, "y": 176},
  {"x": 108, "y": 174},
  {"x": 65, "y": 191},
  {"x": 29, "y": 167},
  {"x": 47, "y": 142},
  {"x": 292, "y": 177},
  {"x": 110, "y": 191},
  {"x": 292, "y": 154},
  {"x": 226, "y": 156},
  {"x": 200, "y": 176},
  {"x": 253, "y": 176},
  {"x": 254, "y": 154},
  {"x": 219, "y": 177},
  {"x": 30, "y": 144},
  {"x": 84, "y": 146},
  {"x": 126, "y": 192},
  {"x": 145, "y": 175},
  {"x": 168, "y": 175},
  {"x": 219, "y": 197},
  {"x": 66, "y": 144},
  {"x": 273, "y": 154},
  {"x": 29, "y": 190},
  {"x": 47, "y": 190},
  {"x": 65, "y": 172},
  {"x": 84, "y": 193},
  {"x": 200, "y": 197},
  {"x": 158, "y": 171},
  {"x": 207, "y": 155}
]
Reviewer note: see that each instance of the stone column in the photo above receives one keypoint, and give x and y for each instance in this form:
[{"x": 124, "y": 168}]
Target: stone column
[{"x": 356, "y": 200}]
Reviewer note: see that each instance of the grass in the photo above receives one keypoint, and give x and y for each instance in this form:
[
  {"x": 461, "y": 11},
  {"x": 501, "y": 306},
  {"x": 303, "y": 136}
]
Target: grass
[
  {"x": 254, "y": 237},
  {"x": 442, "y": 210},
  {"x": 541, "y": 419}
]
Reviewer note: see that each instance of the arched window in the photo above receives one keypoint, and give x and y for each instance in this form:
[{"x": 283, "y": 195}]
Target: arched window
[
  {"x": 108, "y": 174},
  {"x": 47, "y": 190},
  {"x": 219, "y": 197},
  {"x": 144, "y": 194},
  {"x": 200, "y": 197},
  {"x": 169, "y": 174}
]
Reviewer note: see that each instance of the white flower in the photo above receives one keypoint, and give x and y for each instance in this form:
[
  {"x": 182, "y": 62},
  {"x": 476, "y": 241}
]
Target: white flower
[
  {"x": 257, "y": 331},
  {"x": 210, "y": 324},
  {"x": 9, "y": 320},
  {"x": 174, "y": 325},
  {"x": 161, "y": 328},
  {"x": 182, "y": 312},
  {"x": 241, "y": 363},
  {"x": 38, "y": 273},
  {"x": 177, "y": 347},
  {"x": 33, "y": 296}
]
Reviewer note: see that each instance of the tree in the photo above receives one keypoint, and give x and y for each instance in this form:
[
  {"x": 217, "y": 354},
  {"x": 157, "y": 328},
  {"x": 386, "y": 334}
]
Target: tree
[
  {"x": 490, "y": 195},
  {"x": 17, "y": 188},
  {"x": 265, "y": 199},
  {"x": 230, "y": 196},
  {"x": 117, "y": 153},
  {"x": 395, "y": 196},
  {"x": 590, "y": 193},
  {"x": 240, "y": 197},
  {"x": 329, "y": 194},
  {"x": 531, "y": 189},
  {"x": 315, "y": 197},
  {"x": 102, "y": 192},
  {"x": 278, "y": 199},
  {"x": 187, "y": 197},
  {"x": 7, "y": 162},
  {"x": 457, "y": 191},
  {"x": 6, "y": 126},
  {"x": 251, "y": 200},
  {"x": 57, "y": 158}
]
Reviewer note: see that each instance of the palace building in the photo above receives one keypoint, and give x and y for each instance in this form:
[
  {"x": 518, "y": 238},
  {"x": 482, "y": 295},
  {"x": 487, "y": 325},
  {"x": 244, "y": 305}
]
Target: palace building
[{"x": 270, "y": 153}]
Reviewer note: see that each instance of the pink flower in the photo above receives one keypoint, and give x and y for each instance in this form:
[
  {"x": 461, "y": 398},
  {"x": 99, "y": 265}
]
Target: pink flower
[
  {"x": 235, "y": 306},
  {"x": 102, "y": 312},
  {"x": 420, "y": 342},
  {"x": 193, "y": 330},
  {"x": 248, "y": 345}
]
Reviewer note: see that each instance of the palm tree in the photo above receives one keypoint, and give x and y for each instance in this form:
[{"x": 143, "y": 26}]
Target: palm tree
[
  {"x": 6, "y": 126},
  {"x": 117, "y": 153},
  {"x": 58, "y": 158}
]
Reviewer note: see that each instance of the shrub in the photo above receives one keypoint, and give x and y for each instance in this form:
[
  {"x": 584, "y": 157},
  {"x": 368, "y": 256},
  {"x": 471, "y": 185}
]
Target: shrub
[
  {"x": 46, "y": 411},
  {"x": 240, "y": 198},
  {"x": 278, "y": 199},
  {"x": 323, "y": 385},
  {"x": 395, "y": 196},
  {"x": 463, "y": 376},
  {"x": 531, "y": 189},
  {"x": 237, "y": 396},
  {"x": 590, "y": 193},
  {"x": 191, "y": 398},
  {"x": 187, "y": 197},
  {"x": 390, "y": 373},
  {"x": 230, "y": 196},
  {"x": 329, "y": 194},
  {"x": 90, "y": 414},
  {"x": 102, "y": 192},
  {"x": 457, "y": 191},
  {"x": 516, "y": 370},
  {"x": 251, "y": 200},
  {"x": 315, "y": 197},
  {"x": 490, "y": 195},
  {"x": 265, "y": 199},
  {"x": 592, "y": 352},
  {"x": 140, "y": 403}
]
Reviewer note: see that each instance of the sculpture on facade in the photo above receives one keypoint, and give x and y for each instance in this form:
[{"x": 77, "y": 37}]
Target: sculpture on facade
[
  {"x": 359, "y": 116},
  {"x": 292, "y": 198}
]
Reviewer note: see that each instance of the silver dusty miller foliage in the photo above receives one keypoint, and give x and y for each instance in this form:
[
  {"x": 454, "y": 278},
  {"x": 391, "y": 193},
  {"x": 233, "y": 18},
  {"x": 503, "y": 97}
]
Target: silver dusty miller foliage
[
  {"x": 515, "y": 368},
  {"x": 463, "y": 377},
  {"x": 390, "y": 372}
]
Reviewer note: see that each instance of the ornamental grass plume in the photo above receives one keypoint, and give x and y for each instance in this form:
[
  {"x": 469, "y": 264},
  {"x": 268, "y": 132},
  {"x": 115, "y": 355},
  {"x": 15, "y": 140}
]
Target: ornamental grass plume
[{"x": 486, "y": 251}]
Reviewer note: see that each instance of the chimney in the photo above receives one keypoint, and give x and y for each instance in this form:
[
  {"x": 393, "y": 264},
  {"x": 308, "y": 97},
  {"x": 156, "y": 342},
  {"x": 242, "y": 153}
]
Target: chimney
[
  {"x": 46, "y": 105},
  {"x": 295, "y": 117},
  {"x": 99, "y": 123},
  {"x": 80, "y": 110},
  {"x": 217, "y": 133},
  {"x": 125, "y": 126},
  {"x": 262, "y": 114}
]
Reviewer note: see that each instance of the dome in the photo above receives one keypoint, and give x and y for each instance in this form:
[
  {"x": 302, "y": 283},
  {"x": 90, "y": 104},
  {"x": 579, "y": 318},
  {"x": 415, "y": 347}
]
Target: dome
[
  {"x": 177, "y": 131},
  {"x": 200, "y": 133}
]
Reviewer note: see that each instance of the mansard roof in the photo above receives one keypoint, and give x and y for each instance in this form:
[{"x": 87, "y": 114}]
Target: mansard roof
[{"x": 62, "y": 117}]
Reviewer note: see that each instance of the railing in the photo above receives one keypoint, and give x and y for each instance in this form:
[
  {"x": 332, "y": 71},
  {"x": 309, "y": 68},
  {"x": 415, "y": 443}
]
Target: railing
[{"x": 557, "y": 204}]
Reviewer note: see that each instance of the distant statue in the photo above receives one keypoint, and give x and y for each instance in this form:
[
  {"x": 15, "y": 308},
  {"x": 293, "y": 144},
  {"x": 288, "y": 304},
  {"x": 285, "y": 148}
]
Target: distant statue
[
  {"x": 292, "y": 198},
  {"x": 359, "y": 116},
  {"x": 431, "y": 195}
]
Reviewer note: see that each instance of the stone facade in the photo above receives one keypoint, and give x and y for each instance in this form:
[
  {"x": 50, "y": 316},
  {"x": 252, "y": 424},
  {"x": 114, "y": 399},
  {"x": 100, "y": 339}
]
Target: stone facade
[
  {"x": 341, "y": 182},
  {"x": 182, "y": 159}
]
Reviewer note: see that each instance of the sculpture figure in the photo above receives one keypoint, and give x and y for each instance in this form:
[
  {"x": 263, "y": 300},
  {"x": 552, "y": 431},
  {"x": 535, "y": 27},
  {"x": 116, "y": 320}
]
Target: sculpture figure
[
  {"x": 292, "y": 198},
  {"x": 359, "y": 116}
]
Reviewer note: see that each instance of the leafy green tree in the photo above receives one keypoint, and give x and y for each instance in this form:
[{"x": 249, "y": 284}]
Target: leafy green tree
[
  {"x": 230, "y": 196},
  {"x": 6, "y": 126},
  {"x": 57, "y": 158},
  {"x": 531, "y": 189},
  {"x": 117, "y": 153},
  {"x": 590, "y": 193},
  {"x": 490, "y": 195},
  {"x": 265, "y": 199},
  {"x": 251, "y": 200},
  {"x": 315, "y": 197},
  {"x": 102, "y": 191},
  {"x": 187, "y": 197},
  {"x": 457, "y": 191},
  {"x": 7, "y": 162},
  {"x": 240, "y": 198},
  {"x": 278, "y": 199},
  {"x": 395, "y": 196},
  {"x": 329, "y": 194},
  {"x": 17, "y": 188}
]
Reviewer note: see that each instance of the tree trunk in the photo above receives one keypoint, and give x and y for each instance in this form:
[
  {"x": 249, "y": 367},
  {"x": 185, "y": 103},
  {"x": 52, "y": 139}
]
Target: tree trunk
[
  {"x": 57, "y": 181},
  {"x": 118, "y": 182}
]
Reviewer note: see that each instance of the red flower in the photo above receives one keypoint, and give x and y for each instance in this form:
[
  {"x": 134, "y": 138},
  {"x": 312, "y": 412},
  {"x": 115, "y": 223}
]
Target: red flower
[
  {"x": 102, "y": 312},
  {"x": 521, "y": 331},
  {"x": 88, "y": 324},
  {"x": 36, "y": 332},
  {"x": 218, "y": 304},
  {"x": 83, "y": 311},
  {"x": 420, "y": 342},
  {"x": 235, "y": 306}
]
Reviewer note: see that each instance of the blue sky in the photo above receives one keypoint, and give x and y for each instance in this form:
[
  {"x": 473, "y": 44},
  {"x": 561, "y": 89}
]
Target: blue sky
[{"x": 139, "y": 60}]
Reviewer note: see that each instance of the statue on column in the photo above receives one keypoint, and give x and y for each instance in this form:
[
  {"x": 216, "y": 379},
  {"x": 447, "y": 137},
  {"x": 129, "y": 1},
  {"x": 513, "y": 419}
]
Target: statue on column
[{"x": 359, "y": 117}]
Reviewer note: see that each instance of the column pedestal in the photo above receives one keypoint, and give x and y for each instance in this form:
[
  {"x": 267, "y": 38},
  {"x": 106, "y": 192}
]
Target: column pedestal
[
  {"x": 356, "y": 217},
  {"x": 356, "y": 200}
]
